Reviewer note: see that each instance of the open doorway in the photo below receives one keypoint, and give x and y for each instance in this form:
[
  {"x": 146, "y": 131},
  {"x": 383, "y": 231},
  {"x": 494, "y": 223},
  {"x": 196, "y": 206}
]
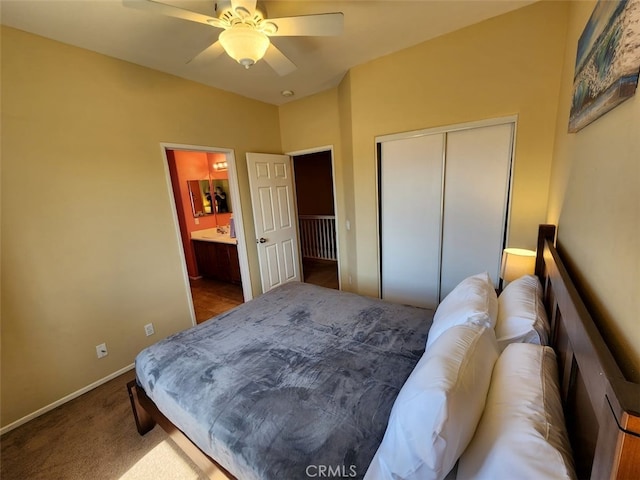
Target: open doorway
[
  {"x": 315, "y": 199},
  {"x": 208, "y": 216}
]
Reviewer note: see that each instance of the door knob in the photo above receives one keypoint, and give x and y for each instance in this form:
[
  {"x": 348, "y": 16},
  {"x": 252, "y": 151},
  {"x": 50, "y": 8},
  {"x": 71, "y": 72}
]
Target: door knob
[{"x": 262, "y": 240}]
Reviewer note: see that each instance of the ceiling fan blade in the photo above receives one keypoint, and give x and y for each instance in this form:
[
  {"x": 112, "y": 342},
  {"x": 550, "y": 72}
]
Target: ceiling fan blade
[
  {"x": 323, "y": 24},
  {"x": 248, "y": 5},
  {"x": 212, "y": 52},
  {"x": 164, "y": 9},
  {"x": 277, "y": 60}
]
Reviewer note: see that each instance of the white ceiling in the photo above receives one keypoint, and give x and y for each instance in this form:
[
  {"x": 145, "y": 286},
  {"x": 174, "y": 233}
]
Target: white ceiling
[{"x": 371, "y": 29}]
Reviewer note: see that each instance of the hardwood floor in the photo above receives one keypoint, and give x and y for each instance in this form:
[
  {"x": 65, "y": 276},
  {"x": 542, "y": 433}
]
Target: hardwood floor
[
  {"x": 213, "y": 297},
  {"x": 320, "y": 272}
]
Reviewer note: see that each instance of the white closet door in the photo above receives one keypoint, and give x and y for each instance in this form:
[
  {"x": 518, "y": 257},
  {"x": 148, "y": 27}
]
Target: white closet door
[
  {"x": 410, "y": 217},
  {"x": 478, "y": 161}
]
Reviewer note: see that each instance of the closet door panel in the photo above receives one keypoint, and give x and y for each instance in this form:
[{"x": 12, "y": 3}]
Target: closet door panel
[
  {"x": 475, "y": 200},
  {"x": 410, "y": 218}
]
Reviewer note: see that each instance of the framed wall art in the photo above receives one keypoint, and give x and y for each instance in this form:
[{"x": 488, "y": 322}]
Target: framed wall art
[{"x": 607, "y": 61}]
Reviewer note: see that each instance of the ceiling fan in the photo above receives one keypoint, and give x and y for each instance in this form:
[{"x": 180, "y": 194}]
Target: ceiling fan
[{"x": 246, "y": 30}]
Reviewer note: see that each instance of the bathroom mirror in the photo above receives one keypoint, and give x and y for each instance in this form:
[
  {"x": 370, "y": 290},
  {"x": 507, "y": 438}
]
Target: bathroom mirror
[
  {"x": 222, "y": 200},
  {"x": 200, "y": 195}
]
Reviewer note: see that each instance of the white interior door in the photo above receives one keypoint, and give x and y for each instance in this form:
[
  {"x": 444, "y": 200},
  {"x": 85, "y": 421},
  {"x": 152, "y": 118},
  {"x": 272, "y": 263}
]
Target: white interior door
[
  {"x": 478, "y": 162},
  {"x": 274, "y": 213},
  {"x": 410, "y": 219}
]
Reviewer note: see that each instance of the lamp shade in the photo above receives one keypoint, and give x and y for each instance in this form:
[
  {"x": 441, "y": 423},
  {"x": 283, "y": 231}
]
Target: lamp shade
[
  {"x": 244, "y": 44},
  {"x": 517, "y": 262}
]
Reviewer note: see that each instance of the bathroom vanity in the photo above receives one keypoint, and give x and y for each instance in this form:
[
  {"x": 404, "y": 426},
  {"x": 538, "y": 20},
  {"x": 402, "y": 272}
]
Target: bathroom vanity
[{"x": 216, "y": 254}]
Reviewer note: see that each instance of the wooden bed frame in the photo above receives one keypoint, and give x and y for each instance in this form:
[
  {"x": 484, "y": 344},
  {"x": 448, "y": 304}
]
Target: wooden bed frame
[
  {"x": 602, "y": 408},
  {"x": 147, "y": 415}
]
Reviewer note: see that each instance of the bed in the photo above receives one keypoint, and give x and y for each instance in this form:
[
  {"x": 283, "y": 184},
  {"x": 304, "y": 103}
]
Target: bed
[
  {"x": 294, "y": 420},
  {"x": 302, "y": 372}
]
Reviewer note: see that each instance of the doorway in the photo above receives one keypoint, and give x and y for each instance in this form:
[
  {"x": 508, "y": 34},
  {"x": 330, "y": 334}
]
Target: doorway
[
  {"x": 203, "y": 185},
  {"x": 315, "y": 199}
]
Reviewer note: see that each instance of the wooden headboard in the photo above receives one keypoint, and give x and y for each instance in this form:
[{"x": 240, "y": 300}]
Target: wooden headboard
[{"x": 602, "y": 408}]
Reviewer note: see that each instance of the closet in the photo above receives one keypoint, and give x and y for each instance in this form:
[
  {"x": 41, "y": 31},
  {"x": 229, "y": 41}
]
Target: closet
[{"x": 443, "y": 207}]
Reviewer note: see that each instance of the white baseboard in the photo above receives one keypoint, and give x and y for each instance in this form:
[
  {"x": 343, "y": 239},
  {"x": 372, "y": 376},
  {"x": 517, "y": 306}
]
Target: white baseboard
[{"x": 63, "y": 400}]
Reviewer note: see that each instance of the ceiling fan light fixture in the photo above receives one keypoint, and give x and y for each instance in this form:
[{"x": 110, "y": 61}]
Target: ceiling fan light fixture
[{"x": 244, "y": 44}]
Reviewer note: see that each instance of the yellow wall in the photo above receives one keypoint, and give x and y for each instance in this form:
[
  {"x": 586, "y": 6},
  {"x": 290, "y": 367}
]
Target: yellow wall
[
  {"x": 507, "y": 65},
  {"x": 595, "y": 200},
  {"x": 315, "y": 122},
  {"x": 89, "y": 246},
  {"x": 346, "y": 131}
]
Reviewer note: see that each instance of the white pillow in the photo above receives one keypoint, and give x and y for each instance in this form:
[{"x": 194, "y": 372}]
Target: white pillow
[
  {"x": 522, "y": 433},
  {"x": 521, "y": 314},
  {"x": 438, "y": 407},
  {"x": 472, "y": 300}
]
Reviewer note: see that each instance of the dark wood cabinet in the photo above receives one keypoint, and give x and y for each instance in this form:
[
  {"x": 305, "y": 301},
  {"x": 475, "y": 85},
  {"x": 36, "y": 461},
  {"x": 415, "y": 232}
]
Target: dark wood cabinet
[
  {"x": 234, "y": 264},
  {"x": 218, "y": 260},
  {"x": 206, "y": 258}
]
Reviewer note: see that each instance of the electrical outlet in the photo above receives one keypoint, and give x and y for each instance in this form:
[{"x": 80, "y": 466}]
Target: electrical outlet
[
  {"x": 101, "y": 350},
  {"x": 148, "y": 329}
]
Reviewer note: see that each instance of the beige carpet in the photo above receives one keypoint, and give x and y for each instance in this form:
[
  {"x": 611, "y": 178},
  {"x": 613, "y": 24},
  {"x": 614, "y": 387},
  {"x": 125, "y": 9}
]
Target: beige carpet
[{"x": 92, "y": 437}]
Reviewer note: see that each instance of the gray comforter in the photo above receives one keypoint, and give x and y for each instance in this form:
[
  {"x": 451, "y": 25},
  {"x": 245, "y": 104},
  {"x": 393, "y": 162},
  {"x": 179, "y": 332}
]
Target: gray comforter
[{"x": 295, "y": 383}]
